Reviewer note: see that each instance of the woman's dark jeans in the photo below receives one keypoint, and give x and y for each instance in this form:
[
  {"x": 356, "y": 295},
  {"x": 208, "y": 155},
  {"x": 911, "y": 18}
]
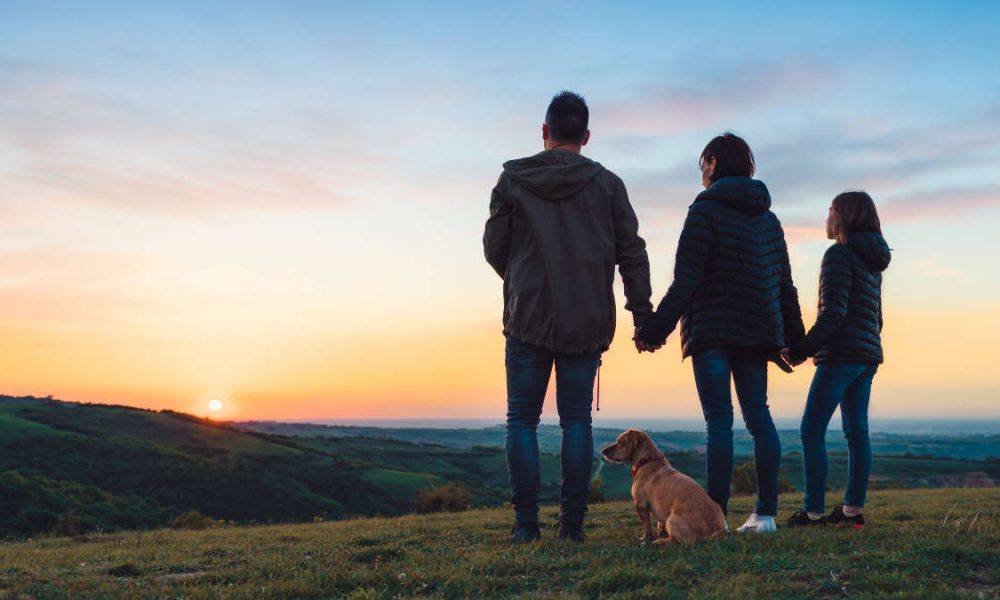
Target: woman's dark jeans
[
  {"x": 713, "y": 370},
  {"x": 528, "y": 371},
  {"x": 849, "y": 386}
]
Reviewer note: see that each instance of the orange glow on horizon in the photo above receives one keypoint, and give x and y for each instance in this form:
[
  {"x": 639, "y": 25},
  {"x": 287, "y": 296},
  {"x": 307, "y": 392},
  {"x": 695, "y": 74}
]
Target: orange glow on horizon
[{"x": 423, "y": 374}]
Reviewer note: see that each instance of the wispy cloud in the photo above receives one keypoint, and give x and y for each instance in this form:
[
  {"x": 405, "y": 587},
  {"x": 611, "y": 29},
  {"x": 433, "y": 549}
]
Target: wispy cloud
[
  {"x": 841, "y": 154},
  {"x": 935, "y": 268},
  {"x": 901, "y": 166},
  {"x": 64, "y": 288},
  {"x": 105, "y": 150},
  {"x": 940, "y": 203},
  {"x": 710, "y": 100}
]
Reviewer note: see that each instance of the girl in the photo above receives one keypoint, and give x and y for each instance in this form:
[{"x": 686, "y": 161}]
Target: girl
[{"x": 846, "y": 346}]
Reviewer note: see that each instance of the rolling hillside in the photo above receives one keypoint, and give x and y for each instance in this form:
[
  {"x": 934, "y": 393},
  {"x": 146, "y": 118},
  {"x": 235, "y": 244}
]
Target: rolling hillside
[
  {"x": 971, "y": 447},
  {"x": 68, "y": 468}
]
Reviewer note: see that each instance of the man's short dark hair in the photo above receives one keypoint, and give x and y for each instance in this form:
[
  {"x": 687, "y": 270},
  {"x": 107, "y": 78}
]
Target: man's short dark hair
[
  {"x": 567, "y": 117},
  {"x": 733, "y": 157}
]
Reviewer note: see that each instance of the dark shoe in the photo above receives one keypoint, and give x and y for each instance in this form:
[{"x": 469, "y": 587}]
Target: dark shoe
[
  {"x": 525, "y": 533},
  {"x": 801, "y": 519},
  {"x": 572, "y": 533},
  {"x": 837, "y": 517}
]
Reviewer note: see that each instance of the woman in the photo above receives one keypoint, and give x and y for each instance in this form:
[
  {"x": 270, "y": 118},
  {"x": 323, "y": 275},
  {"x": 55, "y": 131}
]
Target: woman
[
  {"x": 846, "y": 346},
  {"x": 733, "y": 294}
]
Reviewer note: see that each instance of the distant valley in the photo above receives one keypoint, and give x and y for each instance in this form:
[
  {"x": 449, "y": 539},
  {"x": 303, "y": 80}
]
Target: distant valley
[{"x": 73, "y": 468}]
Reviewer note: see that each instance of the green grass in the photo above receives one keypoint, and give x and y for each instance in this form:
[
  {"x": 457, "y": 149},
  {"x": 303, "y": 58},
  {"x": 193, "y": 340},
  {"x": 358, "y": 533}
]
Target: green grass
[
  {"x": 15, "y": 428},
  {"x": 920, "y": 543},
  {"x": 404, "y": 481}
]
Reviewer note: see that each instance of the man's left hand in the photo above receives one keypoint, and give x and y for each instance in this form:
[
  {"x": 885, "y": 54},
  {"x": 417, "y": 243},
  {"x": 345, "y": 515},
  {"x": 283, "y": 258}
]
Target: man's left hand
[{"x": 642, "y": 346}]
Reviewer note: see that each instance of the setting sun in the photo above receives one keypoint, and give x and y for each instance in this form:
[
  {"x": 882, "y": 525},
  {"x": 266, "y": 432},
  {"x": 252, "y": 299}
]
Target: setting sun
[{"x": 215, "y": 405}]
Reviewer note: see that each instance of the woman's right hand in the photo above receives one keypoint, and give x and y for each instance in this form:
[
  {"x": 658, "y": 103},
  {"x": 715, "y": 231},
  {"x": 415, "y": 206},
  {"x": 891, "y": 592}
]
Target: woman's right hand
[{"x": 786, "y": 355}]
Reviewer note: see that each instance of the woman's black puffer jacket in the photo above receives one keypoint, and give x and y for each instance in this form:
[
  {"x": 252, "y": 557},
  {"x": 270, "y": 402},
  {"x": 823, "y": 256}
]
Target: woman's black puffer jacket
[
  {"x": 849, "y": 323},
  {"x": 732, "y": 283}
]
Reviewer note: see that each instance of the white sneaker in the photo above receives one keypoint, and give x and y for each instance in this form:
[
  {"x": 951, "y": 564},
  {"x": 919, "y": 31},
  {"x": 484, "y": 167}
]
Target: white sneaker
[{"x": 757, "y": 524}]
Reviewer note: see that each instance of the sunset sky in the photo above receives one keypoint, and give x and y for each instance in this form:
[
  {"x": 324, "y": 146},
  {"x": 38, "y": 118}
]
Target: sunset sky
[{"x": 280, "y": 205}]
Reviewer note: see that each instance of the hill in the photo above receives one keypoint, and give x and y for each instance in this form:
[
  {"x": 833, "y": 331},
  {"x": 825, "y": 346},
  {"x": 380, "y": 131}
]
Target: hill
[
  {"x": 919, "y": 543},
  {"x": 970, "y": 447},
  {"x": 73, "y": 468}
]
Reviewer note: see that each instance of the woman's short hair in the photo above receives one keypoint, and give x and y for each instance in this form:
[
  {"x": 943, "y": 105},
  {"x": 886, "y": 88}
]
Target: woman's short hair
[
  {"x": 855, "y": 212},
  {"x": 733, "y": 157}
]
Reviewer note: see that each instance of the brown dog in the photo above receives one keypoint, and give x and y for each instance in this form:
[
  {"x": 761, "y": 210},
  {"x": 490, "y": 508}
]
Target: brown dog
[{"x": 660, "y": 491}]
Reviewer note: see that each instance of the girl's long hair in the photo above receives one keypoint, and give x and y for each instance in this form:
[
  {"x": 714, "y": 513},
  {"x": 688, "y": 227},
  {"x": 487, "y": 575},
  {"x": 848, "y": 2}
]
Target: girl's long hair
[{"x": 855, "y": 212}]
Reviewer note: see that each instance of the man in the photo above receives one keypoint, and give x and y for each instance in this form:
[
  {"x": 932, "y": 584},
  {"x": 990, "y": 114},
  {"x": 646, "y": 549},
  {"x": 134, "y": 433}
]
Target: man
[{"x": 559, "y": 222}]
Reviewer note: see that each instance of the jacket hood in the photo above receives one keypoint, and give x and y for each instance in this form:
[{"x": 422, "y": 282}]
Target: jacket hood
[
  {"x": 743, "y": 193},
  {"x": 553, "y": 174},
  {"x": 872, "y": 248}
]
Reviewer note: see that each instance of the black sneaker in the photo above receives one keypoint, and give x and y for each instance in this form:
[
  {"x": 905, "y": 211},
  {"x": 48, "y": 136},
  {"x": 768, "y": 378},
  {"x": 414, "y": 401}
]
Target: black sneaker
[
  {"x": 524, "y": 533},
  {"x": 572, "y": 533},
  {"x": 837, "y": 517},
  {"x": 801, "y": 519}
]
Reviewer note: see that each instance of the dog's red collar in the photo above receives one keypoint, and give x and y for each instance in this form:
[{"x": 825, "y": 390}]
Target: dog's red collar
[{"x": 639, "y": 465}]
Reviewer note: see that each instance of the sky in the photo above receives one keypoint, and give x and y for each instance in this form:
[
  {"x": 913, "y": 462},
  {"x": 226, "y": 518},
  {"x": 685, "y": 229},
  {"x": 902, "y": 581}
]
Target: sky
[{"x": 280, "y": 206}]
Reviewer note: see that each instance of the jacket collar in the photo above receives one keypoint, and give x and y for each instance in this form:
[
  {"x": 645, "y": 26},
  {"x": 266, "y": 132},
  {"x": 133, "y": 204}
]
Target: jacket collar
[{"x": 745, "y": 194}]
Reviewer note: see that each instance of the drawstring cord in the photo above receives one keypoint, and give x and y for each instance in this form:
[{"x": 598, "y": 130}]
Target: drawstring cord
[{"x": 599, "y": 363}]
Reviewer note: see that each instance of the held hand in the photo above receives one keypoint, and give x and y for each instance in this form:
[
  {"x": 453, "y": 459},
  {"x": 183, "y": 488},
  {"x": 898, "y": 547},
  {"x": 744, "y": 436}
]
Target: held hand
[
  {"x": 642, "y": 346},
  {"x": 787, "y": 357}
]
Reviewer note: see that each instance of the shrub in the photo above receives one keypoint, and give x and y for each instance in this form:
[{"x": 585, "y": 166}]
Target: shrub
[
  {"x": 596, "y": 493},
  {"x": 192, "y": 520},
  {"x": 450, "y": 497},
  {"x": 68, "y": 524},
  {"x": 784, "y": 486},
  {"x": 745, "y": 481}
]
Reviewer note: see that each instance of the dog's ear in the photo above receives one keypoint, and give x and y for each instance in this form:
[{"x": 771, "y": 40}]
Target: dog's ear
[{"x": 633, "y": 439}]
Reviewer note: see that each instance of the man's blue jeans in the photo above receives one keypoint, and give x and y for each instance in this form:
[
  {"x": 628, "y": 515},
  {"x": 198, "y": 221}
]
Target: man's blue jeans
[
  {"x": 528, "y": 371},
  {"x": 849, "y": 386},
  {"x": 713, "y": 369}
]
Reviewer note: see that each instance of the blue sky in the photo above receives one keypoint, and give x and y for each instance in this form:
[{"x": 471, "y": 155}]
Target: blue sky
[{"x": 177, "y": 174}]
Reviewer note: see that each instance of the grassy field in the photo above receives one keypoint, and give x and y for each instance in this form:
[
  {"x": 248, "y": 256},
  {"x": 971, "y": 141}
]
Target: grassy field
[{"x": 941, "y": 543}]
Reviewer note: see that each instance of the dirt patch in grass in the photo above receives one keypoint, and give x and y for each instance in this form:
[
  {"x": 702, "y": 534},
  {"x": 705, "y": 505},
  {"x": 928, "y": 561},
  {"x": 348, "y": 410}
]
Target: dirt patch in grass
[{"x": 125, "y": 570}]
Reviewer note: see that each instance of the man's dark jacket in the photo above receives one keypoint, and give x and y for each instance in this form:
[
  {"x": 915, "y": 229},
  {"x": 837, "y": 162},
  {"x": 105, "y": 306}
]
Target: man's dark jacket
[
  {"x": 559, "y": 222},
  {"x": 849, "y": 322},
  {"x": 732, "y": 283}
]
